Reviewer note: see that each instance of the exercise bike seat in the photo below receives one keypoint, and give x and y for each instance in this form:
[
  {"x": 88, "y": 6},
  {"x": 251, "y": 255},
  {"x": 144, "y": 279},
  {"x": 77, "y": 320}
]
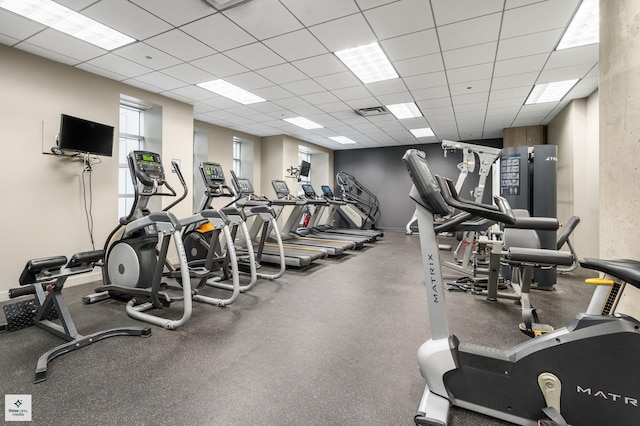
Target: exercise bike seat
[{"x": 625, "y": 269}]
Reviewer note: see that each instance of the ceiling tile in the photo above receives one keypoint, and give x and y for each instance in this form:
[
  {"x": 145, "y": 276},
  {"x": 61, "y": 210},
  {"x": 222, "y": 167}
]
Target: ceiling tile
[
  {"x": 338, "y": 81},
  {"x": 219, "y": 65},
  {"x": 180, "y": 45},
  {"x": 219, "y": 32},
  {"x": 470, "y": 87},
  {"x": 470, "y": 32},
  {"x": 400, "y": 18},
  {"x": 449, "y": 11},
  {"x": 471, "y": 73},
  {"x": 431, "y": 93},
  {"x": 529, "y": 44},
  {"x": 46, "y": 53},
  {"x": 344, "y": 33},
  {"x": 249, "y": 81},
  {"x": 537, "y": 17},
  {"x": 264, "y": 18},
  {"x": 100, "y": 71},
  {"x": 119, "y": 65},
  {"x": 16, "y": 26},
  {"x": 424, "y": 81},
  {"x": 8, "y": 41},
  {"x": 143, "y": 85},
  {"x": 420, "y": 65},
  {"x": 368, "y": 4},
  {"x": 386, "y": 87},
  {"x": 296, "y": 45},
  {"x": 395, "y": 98},
  {"x": 522, "y": 65},
  {"x": 192, "y": 92},
  {"x": 320, "y": 65},
  {"x": 283, "y": 73},
  {"x": 65, "y": 45},
  {"x": 272, "y": 93},
  {"x": 311, "y": 13},
  {"x": 320, "y": 98},
  {"x": 303, "y": 87},
  {"x": 473, "y": 55},
  {"x": 189, "y": 73},
  {"x": 561, "y": 74},
  {"x": 511, "y": 93},
  {"x": 349, "y": 93},
  {"x": 127, "y": 18},
  {"x": 516, "y": 80},
  {"x": 577, "y": 55},
  {"x": 161, "y": 80},
  {"x": 334, "y": 107},
  {"x": 411, "y": 45},
  {"x": 167, "y": 10},
  {"x": 255, "y": 56},
  {"x": 147, "y": 55},
  {"x": 367, "y": 102}
]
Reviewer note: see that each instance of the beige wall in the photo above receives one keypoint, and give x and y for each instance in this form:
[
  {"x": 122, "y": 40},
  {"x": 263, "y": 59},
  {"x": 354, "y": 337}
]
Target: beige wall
[
  {"x": 283, "y": 154},
  {"x": 574, "y": 131},
  {"x": 221, "y": 151},
  {"x": 43, "y": 206}
]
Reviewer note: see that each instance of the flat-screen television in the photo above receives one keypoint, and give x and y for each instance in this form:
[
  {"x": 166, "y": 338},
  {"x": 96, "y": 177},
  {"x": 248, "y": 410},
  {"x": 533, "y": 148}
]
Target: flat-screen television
[
  {"x": 79, "y": 135},
  {"x": 305, "y": 166}
]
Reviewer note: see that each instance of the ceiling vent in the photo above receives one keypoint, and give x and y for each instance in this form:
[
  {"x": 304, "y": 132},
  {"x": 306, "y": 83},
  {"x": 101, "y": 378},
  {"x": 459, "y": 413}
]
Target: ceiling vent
[{"x": 368, "y": 112}]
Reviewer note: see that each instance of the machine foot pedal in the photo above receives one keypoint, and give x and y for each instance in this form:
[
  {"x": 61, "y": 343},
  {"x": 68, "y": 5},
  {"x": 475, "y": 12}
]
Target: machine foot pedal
[{"x": 531, "y": 325}]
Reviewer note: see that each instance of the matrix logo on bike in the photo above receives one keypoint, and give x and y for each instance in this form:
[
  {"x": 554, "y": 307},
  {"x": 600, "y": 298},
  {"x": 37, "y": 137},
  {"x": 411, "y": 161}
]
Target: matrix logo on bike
[{"x": 607, "y": 396}]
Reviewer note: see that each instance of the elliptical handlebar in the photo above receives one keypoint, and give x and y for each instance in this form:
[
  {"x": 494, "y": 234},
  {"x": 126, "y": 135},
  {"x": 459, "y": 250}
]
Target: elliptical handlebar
[{"x": 175, "y": 166}]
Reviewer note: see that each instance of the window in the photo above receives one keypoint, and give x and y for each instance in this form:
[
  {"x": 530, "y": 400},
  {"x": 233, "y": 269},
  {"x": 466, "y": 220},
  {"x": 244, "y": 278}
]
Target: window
[
  {"x": 237, "y": 156},
  {"x": 131, "y": 138}
]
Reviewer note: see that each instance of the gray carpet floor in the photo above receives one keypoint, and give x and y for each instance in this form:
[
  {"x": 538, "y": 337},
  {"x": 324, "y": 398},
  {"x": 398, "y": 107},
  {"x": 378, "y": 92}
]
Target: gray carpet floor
[{"x": 333, "y": 344}]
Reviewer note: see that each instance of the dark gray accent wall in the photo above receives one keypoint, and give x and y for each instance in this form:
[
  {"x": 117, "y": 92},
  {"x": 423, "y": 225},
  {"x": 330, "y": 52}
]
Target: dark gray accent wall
[{"x": 382, "y": 171}]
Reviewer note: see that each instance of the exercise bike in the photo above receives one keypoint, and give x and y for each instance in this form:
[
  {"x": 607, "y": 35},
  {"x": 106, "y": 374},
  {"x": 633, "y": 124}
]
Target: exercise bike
[{"x": 581, "y": 374}]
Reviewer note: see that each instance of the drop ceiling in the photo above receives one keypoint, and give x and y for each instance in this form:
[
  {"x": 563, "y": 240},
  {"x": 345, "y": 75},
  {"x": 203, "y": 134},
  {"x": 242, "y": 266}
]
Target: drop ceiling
[{"x": 469, "y": 65}]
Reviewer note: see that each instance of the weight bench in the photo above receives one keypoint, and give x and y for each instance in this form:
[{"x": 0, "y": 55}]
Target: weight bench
[
  {"x": 522, "y": 253},
  {"x": 45, "y": 277}
]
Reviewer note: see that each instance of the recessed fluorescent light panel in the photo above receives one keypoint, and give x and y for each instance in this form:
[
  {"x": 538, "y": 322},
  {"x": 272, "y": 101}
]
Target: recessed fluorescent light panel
[
  {"x": 230, "y": 91},
  {"x": 584, "y": 27},
  {"x": 401, "y": 111},
  {"x": 424, "y": 132},
  {"x": 68, "y": 21},
  {"x": 303, "y": 122},
  {"x": 368, "y": 63},
  {"x": 550, "y": 92},
  {"x": 342, "y": 139}
]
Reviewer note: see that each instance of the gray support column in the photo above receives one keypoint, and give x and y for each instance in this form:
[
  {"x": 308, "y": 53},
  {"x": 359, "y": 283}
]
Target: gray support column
[{"x": 619, "y": 129}]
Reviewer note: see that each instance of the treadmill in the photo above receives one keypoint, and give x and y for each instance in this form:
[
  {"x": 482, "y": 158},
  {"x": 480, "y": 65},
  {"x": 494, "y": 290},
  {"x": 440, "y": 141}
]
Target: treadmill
[
  {"x": 295, "y": 207},
  {"x": 322, "y": 218},
  {"x": 259, "y": 230}
]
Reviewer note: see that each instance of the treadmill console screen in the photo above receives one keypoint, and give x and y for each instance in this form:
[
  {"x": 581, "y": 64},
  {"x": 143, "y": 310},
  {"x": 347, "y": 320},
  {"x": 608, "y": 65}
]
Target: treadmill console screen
[
  {"x": 281, "y": 187},
  {"x": 327, "y": 191},
  {"x": 308, "y": 190}
]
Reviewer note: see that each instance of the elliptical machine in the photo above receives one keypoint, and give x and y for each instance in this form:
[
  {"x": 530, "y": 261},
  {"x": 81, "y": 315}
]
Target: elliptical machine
[
  {"x": 580, "y": 374},
  {"x": 134, "y": 267}
]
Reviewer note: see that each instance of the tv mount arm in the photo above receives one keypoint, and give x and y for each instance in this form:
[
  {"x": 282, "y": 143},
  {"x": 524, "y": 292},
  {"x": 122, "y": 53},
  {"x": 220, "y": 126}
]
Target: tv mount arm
[{"x": 294, "y": 173}]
